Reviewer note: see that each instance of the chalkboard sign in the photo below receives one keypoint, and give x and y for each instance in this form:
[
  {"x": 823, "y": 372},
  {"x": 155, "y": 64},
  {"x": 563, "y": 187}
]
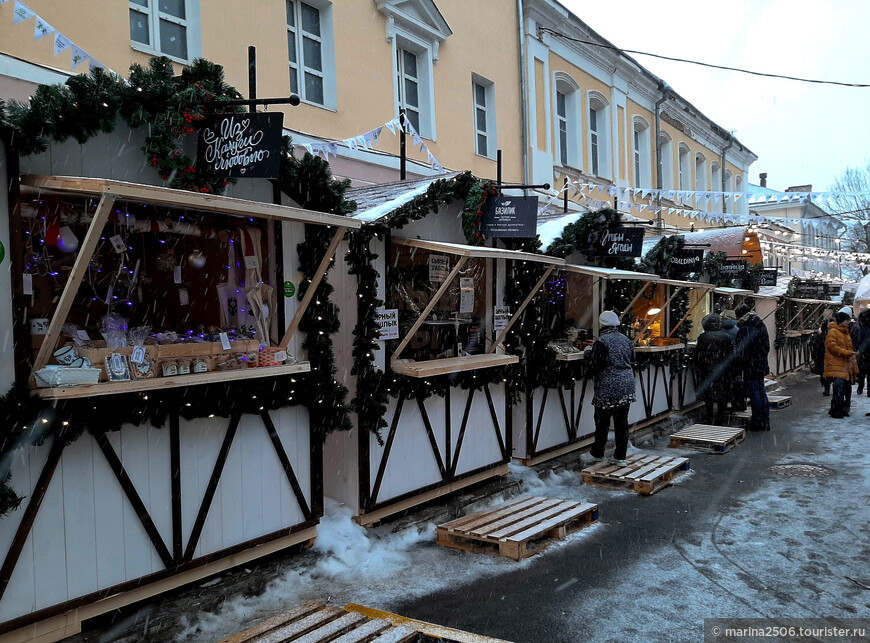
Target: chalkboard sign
[
  {"x": 733, "y": 267},
  {"x": 810, "y": 290},
  {"x": 687, "y": 260},
  {"x": 240, "y": 145},
  {"x": 832, "y": 290},
  {"x": 767, "y": 277},
  {"x": 622, "y": 242},
  {"x": 510, "y": 216}
]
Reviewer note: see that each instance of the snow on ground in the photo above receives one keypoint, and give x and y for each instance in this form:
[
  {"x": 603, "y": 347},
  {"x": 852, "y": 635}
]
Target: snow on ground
[{"x": 372, "y": 566}]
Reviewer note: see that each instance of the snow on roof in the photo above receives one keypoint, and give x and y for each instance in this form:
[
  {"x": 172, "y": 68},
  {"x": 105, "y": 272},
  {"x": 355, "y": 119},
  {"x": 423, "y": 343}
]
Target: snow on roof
[
  {"x": 775, "y": 291},
  {"x": 551, "y": 225},
  {"x": 374, "y": 202}
]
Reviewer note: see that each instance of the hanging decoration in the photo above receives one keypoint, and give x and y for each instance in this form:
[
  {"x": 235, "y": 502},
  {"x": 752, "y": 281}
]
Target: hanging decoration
[{"x": 472, "y": 211}]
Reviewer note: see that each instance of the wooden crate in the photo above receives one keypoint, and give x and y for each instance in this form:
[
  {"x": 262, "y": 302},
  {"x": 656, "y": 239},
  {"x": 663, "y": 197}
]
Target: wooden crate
[
  {"x": 646, "y": 474},
  {"x": 519, "y": 528},
  {"x": 716, "y": 439},
  {"x": 779, "y": 401},
  {"x": 315, "y": 622}
]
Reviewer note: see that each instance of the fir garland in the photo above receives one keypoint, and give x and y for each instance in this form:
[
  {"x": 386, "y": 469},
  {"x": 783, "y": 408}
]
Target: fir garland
[{"x": 472, "y": 211}]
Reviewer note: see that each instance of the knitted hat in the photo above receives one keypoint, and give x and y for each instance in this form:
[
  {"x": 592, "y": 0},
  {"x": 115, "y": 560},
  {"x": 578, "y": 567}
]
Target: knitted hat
[
  {"x": 840, "y": 317},
  {"x": 608, "y": 318},
  {"x": 847, "y": 310}
]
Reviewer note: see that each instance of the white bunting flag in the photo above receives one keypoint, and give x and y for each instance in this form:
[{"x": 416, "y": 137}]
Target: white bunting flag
[
  {"x": 308, "y": 148},
  {"x": 42, "y": 28},
  {"x": 391, "y": 125},
  {"x": 78, "y": 56},
  {"x": 22, "y": 12}
]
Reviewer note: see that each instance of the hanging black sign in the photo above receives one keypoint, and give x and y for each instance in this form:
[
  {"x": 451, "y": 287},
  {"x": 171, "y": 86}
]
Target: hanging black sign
[
  {"x": 622, "y": 242},
  {"x": 767, "y": 277},
  {"x": 687, "y": 260},
  {"x": 733, "y": 267},
  {"x": 510, "y": 216},
  {"x": 810, "y": 290},
  {"x": 832, "y": 290},
  {"x": 240, "y": 145}
]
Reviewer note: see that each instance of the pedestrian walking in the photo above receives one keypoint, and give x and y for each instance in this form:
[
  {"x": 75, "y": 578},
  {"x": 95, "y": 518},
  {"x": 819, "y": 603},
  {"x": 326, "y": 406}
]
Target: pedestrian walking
[
  {"x": 610, "y": 360},
  {"x": 729, "y": 323},
  {"x": 841, "y": 365},
  {"x": 817, "y": 348},
  {"x": 753, "y": 345},
  {"x": 738, "y": 390},
  {"x": 860, "y": 333},
  {"x": 714, "y": 355}
]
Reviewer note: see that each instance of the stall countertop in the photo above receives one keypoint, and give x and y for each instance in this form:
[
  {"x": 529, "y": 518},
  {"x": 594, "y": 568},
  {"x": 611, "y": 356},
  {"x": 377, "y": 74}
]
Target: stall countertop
[
  {"x": 815, "y": 301},
  {"x": 686, "y": 284},
  {"x": 134, "y": 386},
  {"x": 659, "y": 349},
  {"x": 432, "y": 367},
  {"x": 126, "y": 191},
  {"x": 477, "y": 251},
  {"x": 724, "y": 290}
]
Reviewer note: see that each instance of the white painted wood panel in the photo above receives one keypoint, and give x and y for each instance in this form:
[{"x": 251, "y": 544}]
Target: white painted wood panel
[
  {"x": 79, "y": 517},
  {"x": 49, "y": 559},
  {"x": 109, "y": 511},
  {"x": 139, "y": 552},
  {"x": 480, "y": 445},
  {"x": 554, "y": 430},
  {"x": 252, "y": 436},
  {"x": 292, "y": 427},
  {"x": 20, "y": 595}
]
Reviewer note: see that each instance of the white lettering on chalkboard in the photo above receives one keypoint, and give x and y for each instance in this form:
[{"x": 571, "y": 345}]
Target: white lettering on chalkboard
[
  {"x": 617, "y": 242},
  {"x": 234, "y": 145}
]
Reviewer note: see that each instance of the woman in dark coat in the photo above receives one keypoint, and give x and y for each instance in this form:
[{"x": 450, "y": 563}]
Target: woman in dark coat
[
  {"x": 714, "y": 357},
  {"x": 861, "y": 342},
  {"x": 817, "y": 344}
]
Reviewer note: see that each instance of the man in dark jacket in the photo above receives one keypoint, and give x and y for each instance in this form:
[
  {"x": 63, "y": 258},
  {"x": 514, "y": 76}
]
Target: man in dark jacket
[
  {"x": 713, "y": 364},
  {"x": 861, "y": 341},
  {"x": 753, "y": 345},
  {"x": 738, "y": 391}
]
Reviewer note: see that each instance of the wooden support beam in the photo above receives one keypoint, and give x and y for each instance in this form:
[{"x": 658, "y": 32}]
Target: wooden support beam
[
  {"x": 432, "y": 303},
  {"x": 133, "y": 496},
  {"x": 80, "y": 267},
  {"x": 686, "y": 316},
  {"x": 634, "y": 301},
  {"x": 663, "y": 309},
  {"x": 312, "y": 287},
  {"x": 800, "y": 310},
  {"x": 520, "y": 310}
]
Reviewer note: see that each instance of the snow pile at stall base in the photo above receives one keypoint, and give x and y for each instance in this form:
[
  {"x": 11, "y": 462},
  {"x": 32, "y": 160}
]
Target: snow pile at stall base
[{"x": 370, "y": 566}]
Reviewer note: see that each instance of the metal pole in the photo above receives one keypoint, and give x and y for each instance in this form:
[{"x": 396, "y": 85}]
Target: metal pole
[
  {"x": 403, "y": 150},
  {"x": 252, "y": 76},
  {"x": 565, "y": 196}
]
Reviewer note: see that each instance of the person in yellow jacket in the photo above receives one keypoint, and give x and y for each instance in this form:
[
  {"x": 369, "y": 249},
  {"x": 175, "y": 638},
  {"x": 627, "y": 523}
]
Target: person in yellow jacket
[{"x": 841, "y": 365}]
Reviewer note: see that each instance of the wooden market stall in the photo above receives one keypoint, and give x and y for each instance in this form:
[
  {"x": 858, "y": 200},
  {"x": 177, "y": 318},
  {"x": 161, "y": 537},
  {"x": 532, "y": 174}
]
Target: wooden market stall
[
  {"x": 802, "y": 319},
  {"x": 182, "y": 287},
  {"x": 549, "y": 421}
]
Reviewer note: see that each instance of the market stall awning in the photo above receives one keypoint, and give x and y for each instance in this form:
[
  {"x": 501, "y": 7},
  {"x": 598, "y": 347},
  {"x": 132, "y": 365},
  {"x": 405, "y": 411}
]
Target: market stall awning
[
  {"x": 374, "y": 202},
  {"x": 612, "y": 273},
  {"x": 477, "y": 251},
  {"x": 686, "y": 284},
  {"x": 815, "y": 301},
  {"x": 125, "y": 191},
  {"x": 724, "y": 290}
]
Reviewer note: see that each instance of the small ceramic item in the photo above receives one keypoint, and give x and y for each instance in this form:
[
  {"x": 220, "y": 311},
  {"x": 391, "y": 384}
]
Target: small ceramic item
[
  {"x": 39, "y": 326},
  {"x": 184, "y": 367},
  {"x": 200, "y": 364},
  {"x": 143, "y": 370},
  {"x": 169, "y": 368},
  {"x": 66, "y": 355}
]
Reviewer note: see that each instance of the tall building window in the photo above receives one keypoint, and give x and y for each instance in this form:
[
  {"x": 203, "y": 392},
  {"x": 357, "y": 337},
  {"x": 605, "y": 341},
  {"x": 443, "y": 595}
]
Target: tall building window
[
  {"x": 641, "y": 153},
  {"x": 685, "y": 169},
  {"x": 599, "y": 140},
  {"x": 305, "y": 46},
  {"x": 667, "y": 147},
  {"x": 409, "y": 85},
  {"x": 161, "y": 26},
  {"x": 562, "y": 122},
  {"x": 483, "y": 98}
]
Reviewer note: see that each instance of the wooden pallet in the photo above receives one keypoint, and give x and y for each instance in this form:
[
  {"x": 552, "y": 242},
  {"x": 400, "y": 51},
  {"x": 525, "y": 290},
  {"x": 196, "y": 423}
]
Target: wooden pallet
[
  {"x": 716, "y": 439},
  {"x": 646, "y": 474},
  {"x": 779, "y": 401},
  {"x": 519, "y": 528},
  {"x": 315, "y": 622}
]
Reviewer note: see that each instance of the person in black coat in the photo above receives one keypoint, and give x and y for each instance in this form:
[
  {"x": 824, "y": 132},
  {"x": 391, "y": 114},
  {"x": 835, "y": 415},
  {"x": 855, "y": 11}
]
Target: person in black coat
[
  {"x": 817, "y": 345},
  {"x": 714, "y": 356},
  {"x": 751, "y": 349},
  {"x": 861, "y": 341}
]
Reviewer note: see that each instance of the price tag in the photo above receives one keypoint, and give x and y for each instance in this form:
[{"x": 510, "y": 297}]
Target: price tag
[
  {"x": 138, "y": 355},
  {"x": 176, "y": 274},
  {"x": 117, "y": 363},
  {"x": 118, "y": 244},
  {"x": 225, "y": 341},
  {"x": 183, "y": 297},
  {"x": 251, "y": 263},
  {"x": 466, "y": 295},
  {"x": 27, "y": 284},
  {"x": 281, "y": 356}
]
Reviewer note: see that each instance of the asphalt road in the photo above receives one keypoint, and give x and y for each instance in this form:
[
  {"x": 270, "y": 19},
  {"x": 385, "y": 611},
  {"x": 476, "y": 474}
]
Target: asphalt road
[{"x": 735, "y": 539}]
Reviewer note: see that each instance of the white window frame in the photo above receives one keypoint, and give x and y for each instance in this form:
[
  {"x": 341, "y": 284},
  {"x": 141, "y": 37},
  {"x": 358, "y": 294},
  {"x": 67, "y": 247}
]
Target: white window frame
[
  {"x": 564, "y": 84},
  {"x": 729, "y": 187},
  {"x": 600, "y": 136},
  {"x": 641, "y": 152},
  {"x": 327, "y": 54},
  {"x": 684, "y": 155},
  {"x": 491, "y": 133},
  {"x": 700, "y": 177},
  {"x": 425, "y": 84},
  {"x": 742, "y": 207},
  {"x": 191, "y": 24},
  {"x": 667, "y": 146}
]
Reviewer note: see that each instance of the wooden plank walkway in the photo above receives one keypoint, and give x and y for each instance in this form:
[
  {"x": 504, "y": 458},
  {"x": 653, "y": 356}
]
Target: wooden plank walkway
[
  {"x": 707, "y": 437},
  {"x": 314, "y": 622},
  {"x": 646, "y": 474},
  {"x": 519, "y": 528}
]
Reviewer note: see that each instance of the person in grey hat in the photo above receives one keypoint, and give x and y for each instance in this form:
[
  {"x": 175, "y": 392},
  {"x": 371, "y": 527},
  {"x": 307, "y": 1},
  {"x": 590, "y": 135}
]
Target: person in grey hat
[{"x": 610, "y": 360}]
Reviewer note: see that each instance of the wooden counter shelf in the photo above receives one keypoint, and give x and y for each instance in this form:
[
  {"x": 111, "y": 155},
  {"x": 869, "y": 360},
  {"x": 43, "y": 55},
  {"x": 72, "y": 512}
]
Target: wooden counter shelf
[
  {"x": 432, "y": 367},
  {"x": 659, "y": 349},
  {"x": 569, "y": 357},
  {"x": 135, "y": 386}
]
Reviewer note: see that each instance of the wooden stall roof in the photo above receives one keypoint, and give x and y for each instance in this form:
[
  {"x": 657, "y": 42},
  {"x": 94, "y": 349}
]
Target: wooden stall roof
[
  {"x": 724, "y": 290},
  {"x": 125, "y": 191},
  {"x": 815, "y": 301},
  {"x": 611, "y": 273},
  {"x": 477, "y": 251},
  {"x": 686, "y": 284}
]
